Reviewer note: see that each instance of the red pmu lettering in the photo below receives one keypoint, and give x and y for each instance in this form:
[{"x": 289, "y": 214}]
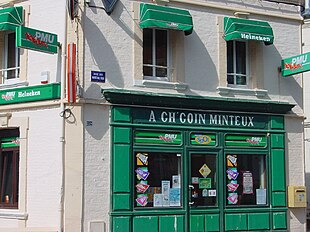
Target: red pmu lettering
[
  {"x": 34, "y": 40},
  {"x": 292, "y": 66}
]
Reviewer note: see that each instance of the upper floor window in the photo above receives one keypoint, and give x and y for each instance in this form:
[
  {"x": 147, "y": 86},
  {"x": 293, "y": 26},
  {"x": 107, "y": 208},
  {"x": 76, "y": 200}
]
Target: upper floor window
[
  {"x": 11, "y": 58},
  {"x": 156, "y": 55},
  {"x": 237, "y": 63}
]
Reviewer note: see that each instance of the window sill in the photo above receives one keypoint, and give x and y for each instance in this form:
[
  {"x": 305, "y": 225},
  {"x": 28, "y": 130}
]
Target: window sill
[
  {"x": 13, "y": 85},
  {"x": 13, "y": 214},
  {"x": 249, "y": 92},
  {"x": 161, "y": 84}
]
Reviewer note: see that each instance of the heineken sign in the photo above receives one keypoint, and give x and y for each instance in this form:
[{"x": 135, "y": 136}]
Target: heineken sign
[
  {"x": 193, "y": 118},
  {"x": 30, "y": 94},
  {"x": 36, "y": 40},
  {"x": 296, "y": 64}
]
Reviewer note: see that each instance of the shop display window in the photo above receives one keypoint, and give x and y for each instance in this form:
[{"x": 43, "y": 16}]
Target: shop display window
[
  {"x": 158, "y": 179},
  {"x": 246, "y": 181}
]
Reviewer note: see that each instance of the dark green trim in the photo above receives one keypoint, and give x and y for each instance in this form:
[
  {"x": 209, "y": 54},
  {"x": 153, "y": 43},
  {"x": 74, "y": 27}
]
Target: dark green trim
[
  {"x": 140, "y": 98},
  {"x": 11, "y": 18}
]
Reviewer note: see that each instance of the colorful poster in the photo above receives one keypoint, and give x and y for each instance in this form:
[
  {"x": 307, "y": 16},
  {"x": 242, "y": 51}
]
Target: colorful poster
[
  {"x": 165, "y": 189},
  {"x": 141, "y": 199},
  {"x": 175, "y": 197},
  {"x": 141, "y": 187},
  {"x": 142, "y": 173},
  {"x": 231, "y": 161},
  {"x": 232, "y": 198},
  {"x": 176, "y": 181},
  {"x": 205, "y": 183},
  {"x": 142, "y": 159},
  {"x": 247, "y": 182},
  {"x": 232, "y": 186},
  {"x": 232, "y": 173},
  {"x": 158, "y": 200},
  {"x": 205, "y": 170}
]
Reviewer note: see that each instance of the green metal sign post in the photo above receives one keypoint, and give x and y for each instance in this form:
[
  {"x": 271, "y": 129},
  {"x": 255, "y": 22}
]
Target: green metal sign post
[
  {"x": 296, "y": 64},
  {"x": 36, "y": 40}
]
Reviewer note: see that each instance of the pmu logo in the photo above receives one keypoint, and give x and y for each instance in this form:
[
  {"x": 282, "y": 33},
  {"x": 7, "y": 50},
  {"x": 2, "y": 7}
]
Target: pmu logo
[
  {"x": 297, "y": 62},
  {"x": 8, "y": 96},
  {"x": 40, "y": 38}
]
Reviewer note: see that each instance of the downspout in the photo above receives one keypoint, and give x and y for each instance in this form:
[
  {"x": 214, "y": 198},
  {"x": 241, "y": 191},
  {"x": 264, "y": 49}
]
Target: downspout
[{"x": 62, "y": 136}]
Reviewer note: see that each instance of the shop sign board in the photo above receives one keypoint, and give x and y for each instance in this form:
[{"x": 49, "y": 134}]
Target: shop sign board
[
  {"x": 36, "y": 40},
  {"x": 30, "y": 94},
  {"x": 199, "y": 118},
  {"x": 296, "y": 64}
]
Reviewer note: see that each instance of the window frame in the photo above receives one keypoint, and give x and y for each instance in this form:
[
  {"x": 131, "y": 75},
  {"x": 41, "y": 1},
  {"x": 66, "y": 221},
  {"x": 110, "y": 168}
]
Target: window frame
[
  {"x": 15, "y": 179},
  {"x": 154, "y": 65},
  {"x": 247, "y": 65},
  {"x": 17, "y": 55}
]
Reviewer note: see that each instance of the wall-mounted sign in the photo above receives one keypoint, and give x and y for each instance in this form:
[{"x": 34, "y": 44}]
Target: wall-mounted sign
[
  {"x": 296, "y": 64},
  {"x": 36, "y": 40},
  {"x": 30, "y": 94},
  {"x": 97, "y": 76}
]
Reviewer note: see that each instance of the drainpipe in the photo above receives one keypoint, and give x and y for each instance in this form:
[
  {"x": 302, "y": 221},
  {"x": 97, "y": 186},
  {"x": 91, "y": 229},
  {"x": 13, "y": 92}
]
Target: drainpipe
[{"x": 62, "y": 136}]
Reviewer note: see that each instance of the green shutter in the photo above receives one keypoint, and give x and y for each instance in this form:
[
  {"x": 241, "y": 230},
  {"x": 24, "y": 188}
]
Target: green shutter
[
  {"x": 238, "y": 28},
  {"x": 147, "y": 223},
  {"x": 121, "y": 224},
  {"x": 278, "y": 170},
  {"x": 11, "y": 18},
  {"x": 154, "y": 16},
  {"x": 258, "y": 221},
  {"x": 121, "y": 168},
  {"x": 171, "y": 223}
]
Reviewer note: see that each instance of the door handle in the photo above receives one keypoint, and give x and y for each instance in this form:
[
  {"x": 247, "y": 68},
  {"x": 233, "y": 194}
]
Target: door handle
[{"x": 190, "y": 188}]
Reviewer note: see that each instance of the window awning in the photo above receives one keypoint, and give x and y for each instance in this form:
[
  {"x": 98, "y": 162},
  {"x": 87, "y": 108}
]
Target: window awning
[
  {"x": 10, "y": 18},
  {"x": 237, "y": 28},
  {"x": 154, "y": 16}
]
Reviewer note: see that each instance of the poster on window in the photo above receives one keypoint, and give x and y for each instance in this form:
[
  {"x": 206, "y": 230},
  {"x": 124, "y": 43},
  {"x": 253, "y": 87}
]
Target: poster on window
[
  {"x": 175, "y": 197},
  {"x": 261, "y": 196},
  {"x": 176, "y": 181},
  {"x": 141, "y": 199},
  {"x": 232, "y": 198},
  {"x": 231, "y": 161},
  {"x": 142, "y": 159},
  {"x": 142, "y": 173},
  {"x": 165, "y": 189},
  {"x": 247, "y": 182},
  {"x": 158, "y": 200}
]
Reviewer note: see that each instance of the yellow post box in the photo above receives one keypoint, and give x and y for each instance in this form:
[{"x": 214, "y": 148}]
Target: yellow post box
[{"x": 297, "y": 196}]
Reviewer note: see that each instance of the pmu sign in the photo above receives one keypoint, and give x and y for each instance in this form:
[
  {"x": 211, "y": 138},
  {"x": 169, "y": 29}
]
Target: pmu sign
[
  {"x": 296, "y": 64},
  {"x": 36, "y": 40}
]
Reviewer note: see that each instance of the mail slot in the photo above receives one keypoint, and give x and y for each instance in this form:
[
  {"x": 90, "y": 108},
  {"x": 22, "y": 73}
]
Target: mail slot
[{"x": 297, "y": 196}]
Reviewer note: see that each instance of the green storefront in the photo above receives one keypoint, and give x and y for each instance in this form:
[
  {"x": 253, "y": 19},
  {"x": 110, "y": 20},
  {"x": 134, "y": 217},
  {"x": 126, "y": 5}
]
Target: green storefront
[{"x": 181, "y": 164}]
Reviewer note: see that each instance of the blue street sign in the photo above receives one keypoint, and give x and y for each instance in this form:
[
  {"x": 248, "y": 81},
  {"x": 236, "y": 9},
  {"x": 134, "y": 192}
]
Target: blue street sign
[{"x": 97, "y": 76}]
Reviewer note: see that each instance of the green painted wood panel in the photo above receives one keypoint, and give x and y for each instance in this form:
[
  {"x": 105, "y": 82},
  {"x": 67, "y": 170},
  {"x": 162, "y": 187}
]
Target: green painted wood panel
[
  {"x": 121, "y": 224},
  {"x": 203, "y": 139},
  {"x": 121, "y": 114},
  {"x": 277, "y": 140},
  {"x": 158, "y": 137},
  {"x": 277, "y": 170},
  {"x": 121, "y": 168},
  {"x": 258, "y": 221},
  {"x": 145, "y": 223},
  {"x": 236, "y": 222},
  {"x": 212, "y": 222},
  {"x": 171, "y": 223},
  {"x": 121, "y": 135},
  {"x": 277, "y": 122},
  {"x": 279, "y": 199},
  {"x": 245, "y": 140},
  {"x": 279, "y": 220},
  {"x": 197, "y": 223},
  {"x": 121, "y": 202}
]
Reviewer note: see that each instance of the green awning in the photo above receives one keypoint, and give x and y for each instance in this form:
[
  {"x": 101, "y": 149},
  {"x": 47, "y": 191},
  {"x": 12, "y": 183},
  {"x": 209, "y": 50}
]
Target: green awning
[
  {"x": 154, "y": 16},
  {"x": 237, "y": 28},
  {"x": 10, "y": 18}
]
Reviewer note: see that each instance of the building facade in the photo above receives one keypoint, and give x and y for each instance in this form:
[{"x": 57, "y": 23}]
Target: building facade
[{"x": 189, "y": 124}]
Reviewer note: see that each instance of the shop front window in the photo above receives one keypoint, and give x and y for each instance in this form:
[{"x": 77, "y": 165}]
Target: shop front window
[
  {"x": 158, "y": 179},
  {"x": 246, "y": 180}
]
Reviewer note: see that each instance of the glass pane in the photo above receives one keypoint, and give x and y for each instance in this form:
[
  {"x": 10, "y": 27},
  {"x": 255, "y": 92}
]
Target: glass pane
[
  {"x": 12, "y": 57},
  {"x": 246, "y": 179},
  {"x": 230, "y": 79},
  {"x": 161, "y": 72},
  {"x": 240, "y": 57},
  {"x": 147, "y": 46},
  {"x": 203, "y": 180},
  {"x": 241, "y": 80},
  {"x": 7, "y": 178},
  {"x": 157, "y": 179},
  {"x": 161, "y": 48},
  {"x": 147, "y": 71},
  {"x": 230, "y": 57}
]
